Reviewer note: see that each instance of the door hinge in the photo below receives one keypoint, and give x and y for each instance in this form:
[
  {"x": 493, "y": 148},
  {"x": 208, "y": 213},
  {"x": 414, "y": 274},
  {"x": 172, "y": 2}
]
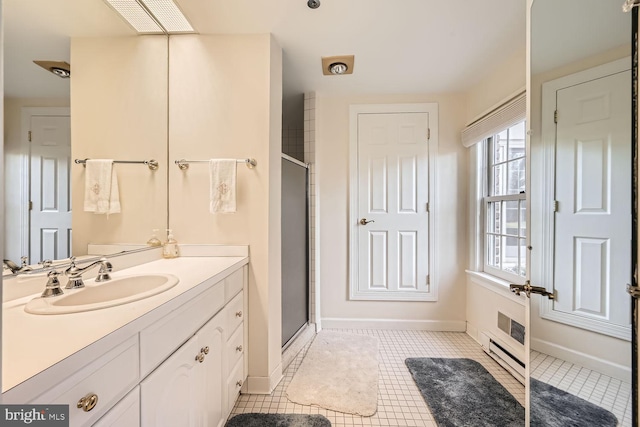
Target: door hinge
[
  {"x": 555, "y": 206},
  {"x": 555, "y": 116},
  {"x": 428, "y": 280},
  {"x": 428, "y": 134},
  {"x": 30, "y": 205},
  {"x": 427, "y": 207},
  {"x": 29, "y": 136}
]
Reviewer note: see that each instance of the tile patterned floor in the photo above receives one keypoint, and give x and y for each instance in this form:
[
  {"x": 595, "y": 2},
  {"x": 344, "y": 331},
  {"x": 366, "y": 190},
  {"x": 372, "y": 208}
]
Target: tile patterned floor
[
  {"x": 609, "y": 393},
  {"x": 399, "y": 400}
]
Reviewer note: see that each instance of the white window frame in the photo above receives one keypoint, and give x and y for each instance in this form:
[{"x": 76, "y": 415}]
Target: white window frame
[{"x": 486, "y": 199}]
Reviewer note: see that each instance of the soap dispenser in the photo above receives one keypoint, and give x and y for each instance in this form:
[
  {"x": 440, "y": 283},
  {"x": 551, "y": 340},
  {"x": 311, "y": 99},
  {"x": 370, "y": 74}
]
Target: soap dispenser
[
  {"x": 154, "y": 241},
  {"x": 170, "y": 247}
]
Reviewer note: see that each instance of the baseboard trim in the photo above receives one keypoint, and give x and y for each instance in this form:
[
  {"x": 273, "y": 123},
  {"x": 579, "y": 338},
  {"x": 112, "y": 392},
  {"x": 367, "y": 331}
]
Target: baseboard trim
[
  {"x": 398, "y": 324},
  {"x": 623, "y": 373},
  {"x": 264, "y": 385}
]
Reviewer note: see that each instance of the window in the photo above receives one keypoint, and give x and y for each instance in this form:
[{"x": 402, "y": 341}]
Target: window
[{"x": 504, "y": 202}]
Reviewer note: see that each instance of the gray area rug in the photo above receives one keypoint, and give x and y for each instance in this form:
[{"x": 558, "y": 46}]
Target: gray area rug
[
  {"x": 462, "y": 393},
  {"x": 278, "y": 420},
  {"x": 552, "y": 407},
  {"x": 339, "y": 373}
]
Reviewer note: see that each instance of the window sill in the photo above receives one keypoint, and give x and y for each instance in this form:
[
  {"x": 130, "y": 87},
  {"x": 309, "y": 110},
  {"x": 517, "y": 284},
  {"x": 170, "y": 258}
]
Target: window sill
[{"x": 495, "y": 284}]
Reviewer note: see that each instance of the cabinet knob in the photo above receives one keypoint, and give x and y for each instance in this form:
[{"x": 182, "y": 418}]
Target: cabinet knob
[
  {"x": 88, "y": 402},
  {"x": 200, "y": 357},
  {"x": 238, "y": 313},
  {"x": 239, "y": 383},
  {"x": 205, "y": 350},
  {"x": 239, "y": 348}
]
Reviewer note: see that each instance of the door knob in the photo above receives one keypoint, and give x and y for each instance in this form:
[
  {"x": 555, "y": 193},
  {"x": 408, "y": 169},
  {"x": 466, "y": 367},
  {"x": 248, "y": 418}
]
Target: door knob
[
  {"x": 365, "y": 221},
  {"x": 528, "y": 290}
]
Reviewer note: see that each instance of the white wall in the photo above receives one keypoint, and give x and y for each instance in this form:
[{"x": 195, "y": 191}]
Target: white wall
[
  {"x": 508, "y": 79},
  {"x": 119, "y": 111},
  {"x": 225, "y": 102},
  {"x": 332, "y": 169},
  {"x": 14, "y": 168}
]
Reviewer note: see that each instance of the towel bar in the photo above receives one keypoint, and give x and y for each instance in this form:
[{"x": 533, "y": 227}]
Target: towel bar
[
  {"x": 184, "y": 164},
  {"x": 152, "y": 164}
]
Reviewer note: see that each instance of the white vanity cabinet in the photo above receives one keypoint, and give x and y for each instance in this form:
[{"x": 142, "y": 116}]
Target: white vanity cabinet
[
  {"x": 186, "y": 389},
  {"x": 180, "y": 364},
  {"x": 126, "y": 413}
]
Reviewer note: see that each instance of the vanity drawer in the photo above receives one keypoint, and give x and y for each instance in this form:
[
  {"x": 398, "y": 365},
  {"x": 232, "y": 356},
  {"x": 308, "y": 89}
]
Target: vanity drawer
[
  {"x": 159, "y": 340},
  {"x": 235, "y": 313},
  {"x": 233, "y": 284},
  {"x": 109, "y": 378},
  {"x": 235, "y": 347},
  {"x": 234, "y": 384},
  {"x": 126, "y": 413}
]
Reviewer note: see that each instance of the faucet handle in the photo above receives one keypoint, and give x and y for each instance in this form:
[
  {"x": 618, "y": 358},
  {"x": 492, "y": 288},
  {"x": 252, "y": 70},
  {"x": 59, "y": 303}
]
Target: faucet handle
[
  {"x": 53, "y": 285},
  {"x": 46, "y": 263},
  {"x": 24, "y": 259}
]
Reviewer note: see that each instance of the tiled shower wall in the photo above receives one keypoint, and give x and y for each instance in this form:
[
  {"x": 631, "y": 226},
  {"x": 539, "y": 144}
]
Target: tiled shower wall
[
  {"x": 293, "y": 143},
  {"x": 310, "y": 158}
]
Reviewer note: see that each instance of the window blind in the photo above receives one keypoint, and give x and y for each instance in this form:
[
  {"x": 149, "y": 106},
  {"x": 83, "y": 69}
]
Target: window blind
[{"x": 506, "y": 115}]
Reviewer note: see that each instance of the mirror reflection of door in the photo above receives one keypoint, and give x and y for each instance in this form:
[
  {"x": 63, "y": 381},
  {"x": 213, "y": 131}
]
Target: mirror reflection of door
[
  {"x": 581, "y": 206},
  {"x": 50, "y": 188}
]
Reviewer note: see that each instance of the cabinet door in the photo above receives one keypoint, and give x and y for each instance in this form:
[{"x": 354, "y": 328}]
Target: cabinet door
[
  {"x": 126, "y": 413},
  {"x": 211, "y": 342},
  {"x": 172, "y": 395}
]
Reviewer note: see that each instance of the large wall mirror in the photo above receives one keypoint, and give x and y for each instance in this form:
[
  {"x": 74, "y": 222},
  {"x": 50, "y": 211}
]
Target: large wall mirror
[
  {"x": 581, "y": 179},
  {"x": 114, "y": 106}
]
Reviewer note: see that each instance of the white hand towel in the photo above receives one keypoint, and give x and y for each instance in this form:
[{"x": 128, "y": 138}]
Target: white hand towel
[
  {"x": 222, "y": 190},
  {"x": 101, "y": 193}
]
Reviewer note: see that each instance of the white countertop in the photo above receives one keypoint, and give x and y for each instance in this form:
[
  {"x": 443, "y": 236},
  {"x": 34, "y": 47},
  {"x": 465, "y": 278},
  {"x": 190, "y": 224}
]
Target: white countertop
[{"x": 33, "y": 343}]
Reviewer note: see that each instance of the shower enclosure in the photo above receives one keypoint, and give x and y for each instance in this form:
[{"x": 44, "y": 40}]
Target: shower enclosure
[{"x": 295, "y": 247}]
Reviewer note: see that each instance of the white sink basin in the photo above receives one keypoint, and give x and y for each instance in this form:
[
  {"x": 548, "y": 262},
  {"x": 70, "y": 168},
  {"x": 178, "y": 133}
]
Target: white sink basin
[{"x": 95, "y": 296}]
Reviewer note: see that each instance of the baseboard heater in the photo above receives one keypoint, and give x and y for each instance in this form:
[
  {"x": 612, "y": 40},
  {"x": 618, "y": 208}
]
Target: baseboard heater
[{"x": 506, "y": 359}]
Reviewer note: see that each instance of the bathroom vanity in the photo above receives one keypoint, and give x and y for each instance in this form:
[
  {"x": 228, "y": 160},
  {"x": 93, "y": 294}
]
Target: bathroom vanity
[{"x": 176, "y": 358}]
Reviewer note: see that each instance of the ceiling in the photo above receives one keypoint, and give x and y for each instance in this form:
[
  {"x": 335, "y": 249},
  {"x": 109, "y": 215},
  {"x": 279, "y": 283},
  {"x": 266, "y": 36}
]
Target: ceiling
[{"x": 400, "y": 46}]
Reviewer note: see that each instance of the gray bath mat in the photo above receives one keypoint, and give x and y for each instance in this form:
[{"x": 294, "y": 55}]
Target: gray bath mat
[
  {"x": 278, "y": 420},
  {"x": 552, "y": 407},
  {"x": 462, "y": 393}
]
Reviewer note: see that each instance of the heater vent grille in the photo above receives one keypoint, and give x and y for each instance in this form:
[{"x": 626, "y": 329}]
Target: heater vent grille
[{"x": 510, "y": 327}]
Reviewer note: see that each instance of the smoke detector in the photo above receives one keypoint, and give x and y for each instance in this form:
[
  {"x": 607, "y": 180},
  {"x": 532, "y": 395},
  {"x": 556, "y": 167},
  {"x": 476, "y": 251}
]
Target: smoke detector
[{"x": 337, "y": 65}]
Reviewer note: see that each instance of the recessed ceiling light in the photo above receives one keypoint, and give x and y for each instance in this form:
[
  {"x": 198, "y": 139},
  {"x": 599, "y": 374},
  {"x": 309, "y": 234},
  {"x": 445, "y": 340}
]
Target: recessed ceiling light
[
  {"x": 152, "y": 16},
  {"x": 338, "y": 68},
  {"x": 59, "y": 68},
  {"x": 337, "y": 65}
]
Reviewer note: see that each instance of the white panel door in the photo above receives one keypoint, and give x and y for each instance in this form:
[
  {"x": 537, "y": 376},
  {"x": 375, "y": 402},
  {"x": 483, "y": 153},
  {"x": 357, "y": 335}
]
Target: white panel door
[
  {"x": 593, "y": 188},
  {"x": 393, "y": 192},
  {"x": 50, "y": 219}
]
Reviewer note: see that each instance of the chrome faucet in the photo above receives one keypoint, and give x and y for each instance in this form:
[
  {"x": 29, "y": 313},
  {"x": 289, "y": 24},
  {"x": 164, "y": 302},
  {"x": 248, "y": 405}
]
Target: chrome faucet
[
  {"x": 15, "y": 269},
  {"x": 75, "y": 273}
]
